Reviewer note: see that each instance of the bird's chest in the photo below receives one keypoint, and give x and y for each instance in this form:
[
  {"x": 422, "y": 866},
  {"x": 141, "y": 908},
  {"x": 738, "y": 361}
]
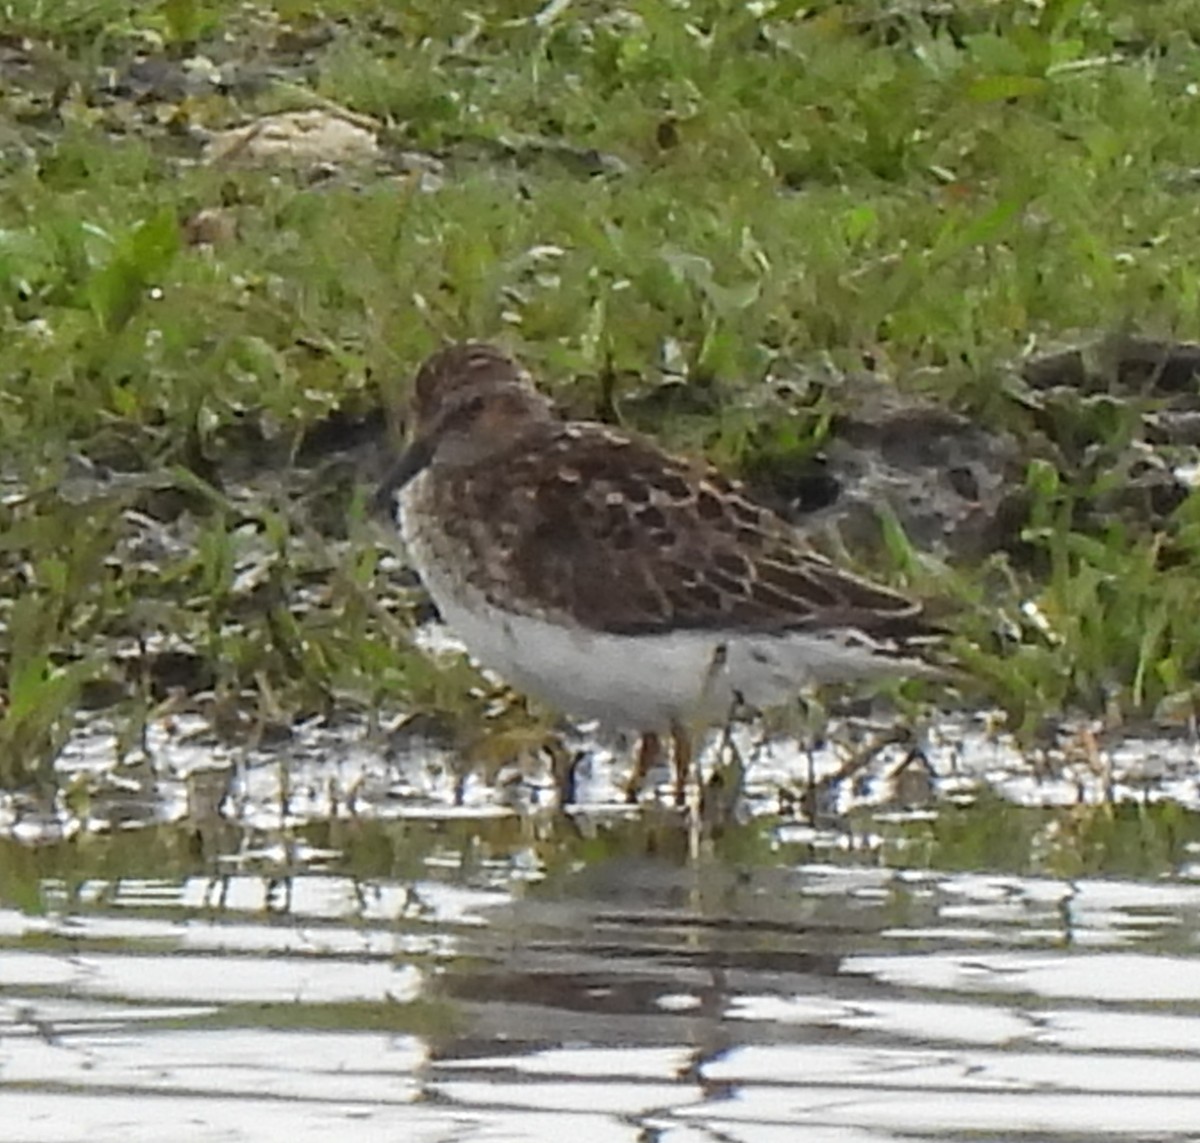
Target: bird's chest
[
  {"x": 620, "y": 680},
  {"x": 454, "y": 538}
]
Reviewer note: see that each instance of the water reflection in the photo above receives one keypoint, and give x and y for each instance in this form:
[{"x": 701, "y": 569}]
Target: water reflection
[
  {"x": 633, "y": 996},
  {"x": 350, "y": 951}
]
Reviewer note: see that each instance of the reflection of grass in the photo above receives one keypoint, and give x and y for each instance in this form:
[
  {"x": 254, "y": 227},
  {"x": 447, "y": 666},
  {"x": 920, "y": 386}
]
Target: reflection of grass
[
  {"x": 775, "y": 188},
  {"x": 1109, "y": 840},
  {"x": 429, "y": 1019},
  {"x": 1122, "y": 840},
  {"x": 1127, "y": 839}
]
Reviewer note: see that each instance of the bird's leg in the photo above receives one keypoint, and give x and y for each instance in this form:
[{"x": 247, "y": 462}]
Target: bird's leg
[
  {"x": 684, "y": 735},
  {"x": 648, "y": 754},
  {"x": 807, "y": 703},
  {"x": 719, "y": 797},
  {"x": 564, "y": 765},
  {"x": 682, "y": 758}
]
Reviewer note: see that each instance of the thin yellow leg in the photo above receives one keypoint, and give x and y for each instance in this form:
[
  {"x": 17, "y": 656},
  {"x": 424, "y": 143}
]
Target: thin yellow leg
[
  {"x": 681, "y": 751},
  {"x": 683, "y": 736},
  {"x": 649, "y": 752}
]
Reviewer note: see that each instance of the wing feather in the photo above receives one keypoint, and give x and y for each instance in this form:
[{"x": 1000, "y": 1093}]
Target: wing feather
[{"x": 611, "y": 531}]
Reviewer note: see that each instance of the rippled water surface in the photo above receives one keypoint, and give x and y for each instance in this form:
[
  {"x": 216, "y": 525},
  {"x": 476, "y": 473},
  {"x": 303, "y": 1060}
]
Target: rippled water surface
[{"x": 336, "y": 949}]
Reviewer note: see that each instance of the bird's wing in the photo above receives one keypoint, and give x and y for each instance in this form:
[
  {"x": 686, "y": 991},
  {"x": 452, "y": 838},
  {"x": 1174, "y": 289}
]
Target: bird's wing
[{"x": 609, "y": 530}]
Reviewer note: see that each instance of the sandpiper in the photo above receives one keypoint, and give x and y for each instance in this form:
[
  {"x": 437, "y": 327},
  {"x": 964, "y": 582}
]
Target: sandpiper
[{"x": 614, "y": 581}]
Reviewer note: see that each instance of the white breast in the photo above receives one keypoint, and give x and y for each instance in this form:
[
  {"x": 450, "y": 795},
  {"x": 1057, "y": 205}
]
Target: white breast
[{"x": 642, "y": 682}]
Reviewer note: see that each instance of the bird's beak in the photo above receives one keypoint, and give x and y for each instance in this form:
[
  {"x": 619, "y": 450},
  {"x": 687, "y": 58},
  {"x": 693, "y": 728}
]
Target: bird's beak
[{"x": 414, "y": 458}]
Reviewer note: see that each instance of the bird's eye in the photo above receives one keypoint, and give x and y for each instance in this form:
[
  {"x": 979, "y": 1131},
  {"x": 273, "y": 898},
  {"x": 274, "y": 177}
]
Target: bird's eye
[{"x": 462, "y": 416}]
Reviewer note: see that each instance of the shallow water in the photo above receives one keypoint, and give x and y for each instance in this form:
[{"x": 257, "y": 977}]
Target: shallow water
[{"x": 333, "y": 948}]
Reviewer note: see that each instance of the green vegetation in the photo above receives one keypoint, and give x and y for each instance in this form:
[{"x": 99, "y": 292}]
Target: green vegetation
[{"x": 627, "y": 194}]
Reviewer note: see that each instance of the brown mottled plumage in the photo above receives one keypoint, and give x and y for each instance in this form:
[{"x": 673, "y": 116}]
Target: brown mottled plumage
[{"x": 593, "y": 569}]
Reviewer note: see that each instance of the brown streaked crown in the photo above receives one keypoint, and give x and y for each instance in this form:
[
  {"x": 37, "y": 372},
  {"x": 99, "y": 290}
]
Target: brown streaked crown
[
  {"x": 470, "y": 402},
  {"x": 458, "y": 367},
  {"x": 587, "y": 525}
]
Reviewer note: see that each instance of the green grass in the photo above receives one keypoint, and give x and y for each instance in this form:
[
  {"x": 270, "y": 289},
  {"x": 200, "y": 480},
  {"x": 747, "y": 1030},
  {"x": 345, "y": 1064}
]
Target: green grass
[{"x": 767, "y": 188}]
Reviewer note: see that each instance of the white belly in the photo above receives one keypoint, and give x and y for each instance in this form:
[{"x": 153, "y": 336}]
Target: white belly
[{"x": 643, "y": 682}]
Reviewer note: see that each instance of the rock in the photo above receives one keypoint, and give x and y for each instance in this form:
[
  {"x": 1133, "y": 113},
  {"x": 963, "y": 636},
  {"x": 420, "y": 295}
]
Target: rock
[
  {"x": 295, "y": 138},
  {"x": 213, "y": 226}
]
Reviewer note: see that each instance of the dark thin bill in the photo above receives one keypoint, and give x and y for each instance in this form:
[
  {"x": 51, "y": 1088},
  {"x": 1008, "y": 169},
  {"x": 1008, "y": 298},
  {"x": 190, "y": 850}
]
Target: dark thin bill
[{"x": 412, "y": 461}]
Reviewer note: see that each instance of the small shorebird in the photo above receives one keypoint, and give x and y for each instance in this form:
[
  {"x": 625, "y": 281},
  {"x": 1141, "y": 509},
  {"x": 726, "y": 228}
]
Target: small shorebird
[{"x": 614, "y": 581}]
